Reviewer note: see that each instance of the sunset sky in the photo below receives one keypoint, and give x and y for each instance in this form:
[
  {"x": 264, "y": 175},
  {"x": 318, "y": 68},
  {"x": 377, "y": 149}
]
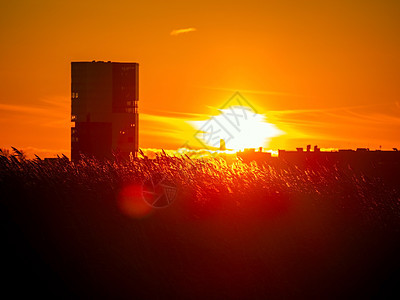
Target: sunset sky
[{"x": 322, "y": 72}]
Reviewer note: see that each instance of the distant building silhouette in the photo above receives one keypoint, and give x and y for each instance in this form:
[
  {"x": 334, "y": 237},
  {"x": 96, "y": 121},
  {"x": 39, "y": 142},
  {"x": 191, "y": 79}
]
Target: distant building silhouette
[
  {"x": 250, "y": 154},
  {"x": 104, "y": 98},
  {"x": 222, "y": 145},
  {"x": 360, "y": 156},
  {"x": 360, "y": 159}
]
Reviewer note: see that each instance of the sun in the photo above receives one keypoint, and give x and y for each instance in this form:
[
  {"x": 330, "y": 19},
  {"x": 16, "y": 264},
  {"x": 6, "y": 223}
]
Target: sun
[{"x": 239, "y": 126}]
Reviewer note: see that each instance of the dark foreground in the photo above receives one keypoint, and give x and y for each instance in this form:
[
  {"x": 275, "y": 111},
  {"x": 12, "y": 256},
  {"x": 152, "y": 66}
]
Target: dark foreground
[{"x": 242, "y": 232}]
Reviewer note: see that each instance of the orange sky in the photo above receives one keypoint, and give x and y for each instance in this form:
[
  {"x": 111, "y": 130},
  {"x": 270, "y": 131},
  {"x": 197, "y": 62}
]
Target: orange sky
[{"x": 324, "y": 72}]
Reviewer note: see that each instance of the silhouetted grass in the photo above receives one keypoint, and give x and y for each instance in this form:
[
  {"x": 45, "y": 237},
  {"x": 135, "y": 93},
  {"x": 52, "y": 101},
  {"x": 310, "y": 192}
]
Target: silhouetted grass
[{"x": 234, "y": 231}]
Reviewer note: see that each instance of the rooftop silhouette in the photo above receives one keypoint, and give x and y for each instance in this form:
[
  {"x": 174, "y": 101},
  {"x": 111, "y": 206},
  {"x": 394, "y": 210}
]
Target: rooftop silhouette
[{"x": 358, "y": 157}]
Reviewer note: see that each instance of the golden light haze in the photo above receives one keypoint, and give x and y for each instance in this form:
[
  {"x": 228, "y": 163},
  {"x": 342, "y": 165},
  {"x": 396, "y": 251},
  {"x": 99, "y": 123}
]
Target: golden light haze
[{"x": 323, "y": 72}]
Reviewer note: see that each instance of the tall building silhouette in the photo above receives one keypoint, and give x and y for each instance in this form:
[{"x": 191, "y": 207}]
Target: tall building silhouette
[{"x": 104, "y": 101}]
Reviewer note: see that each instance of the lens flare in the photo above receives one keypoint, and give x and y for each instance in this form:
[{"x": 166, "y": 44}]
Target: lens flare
[{"x": 131, "y": 202}]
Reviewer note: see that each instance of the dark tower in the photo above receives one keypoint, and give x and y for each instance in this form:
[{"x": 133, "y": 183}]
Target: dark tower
[{"x": 104, "y": 101}]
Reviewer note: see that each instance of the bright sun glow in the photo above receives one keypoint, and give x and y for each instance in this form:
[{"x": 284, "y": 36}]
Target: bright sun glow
[{"x": 239, "y": 127}]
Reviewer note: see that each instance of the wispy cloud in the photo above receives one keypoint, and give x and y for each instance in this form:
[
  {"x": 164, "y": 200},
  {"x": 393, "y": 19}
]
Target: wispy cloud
[
  {"x": 182, "y": 30},
  {"x": 176, "y": 128},
  {"x": 48, "y": 112},
  {"x": 48, "y": 106},
  {"x": 319, "y": 110},
  {"x": 258, "y": 92},
  {"x": 21, "y": 109},
  {"x": 351, "y": 127},
  {"x": 175, "y": 114}
]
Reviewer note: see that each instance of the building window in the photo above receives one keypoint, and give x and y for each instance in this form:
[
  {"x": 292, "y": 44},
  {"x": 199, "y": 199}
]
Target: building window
[
  {"x": 74, "y": 95},
  {"x": 73, "y": 118}
]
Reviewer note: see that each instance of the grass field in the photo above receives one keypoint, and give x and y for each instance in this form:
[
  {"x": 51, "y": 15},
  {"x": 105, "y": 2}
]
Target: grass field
[{"x": 234, "y": 231}]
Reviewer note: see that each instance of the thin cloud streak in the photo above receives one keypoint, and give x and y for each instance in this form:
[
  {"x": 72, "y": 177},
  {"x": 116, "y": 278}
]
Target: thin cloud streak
[
  {"x": 21, "y": 109},
  {"x": 329, "y": 118},
  {"x": 176, "y": 114},
  {"x": 340, "y": 127},
  {"x": 183, "y": 30},
  {"x": 257, "y": 92},
  {"x": 176, "y": 128},
  {"x": 48, "y": 107},
  {"x": 317, "y": 110},
  {"x": 50, "y": 113}
]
